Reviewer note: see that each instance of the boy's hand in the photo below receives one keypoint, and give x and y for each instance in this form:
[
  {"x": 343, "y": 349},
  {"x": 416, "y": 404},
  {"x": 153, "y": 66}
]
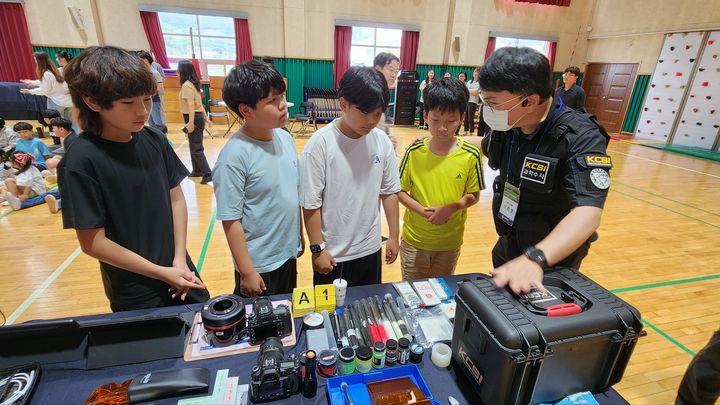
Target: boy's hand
[
  {"x": 440, "y": 215},
  {"x": 251, "y": 284},
  {"x": 181, "y": 280},
  {"x": 323, "y": 262},
  {"x": 25, "y": 91},
  {"x": 392, "y": 248},
  {"x": 26, "y": 81}
]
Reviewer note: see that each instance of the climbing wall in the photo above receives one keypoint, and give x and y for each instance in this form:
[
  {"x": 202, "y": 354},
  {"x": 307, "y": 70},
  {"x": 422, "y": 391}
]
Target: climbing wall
[
  {"x": 668, "y": 85},
  {"x": 700, "y": 118}
]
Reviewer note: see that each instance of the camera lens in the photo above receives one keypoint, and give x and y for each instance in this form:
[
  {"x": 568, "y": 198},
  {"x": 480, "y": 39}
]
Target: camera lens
[{"x": 223, "y": 318}]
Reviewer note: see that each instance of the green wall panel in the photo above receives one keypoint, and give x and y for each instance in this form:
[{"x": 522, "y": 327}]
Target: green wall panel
[{"x": 636, "y": 103}]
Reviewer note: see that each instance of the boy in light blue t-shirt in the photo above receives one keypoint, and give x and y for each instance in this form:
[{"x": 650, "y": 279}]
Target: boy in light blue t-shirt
[
  {"x": 27, "y": 143},
  {"x": 256, "y": 184}
]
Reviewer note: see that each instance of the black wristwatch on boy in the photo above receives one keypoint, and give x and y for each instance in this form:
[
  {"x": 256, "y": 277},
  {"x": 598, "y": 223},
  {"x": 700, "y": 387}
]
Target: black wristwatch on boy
[
  {"x": 317, "y": 248},
  {"x": 538, "y": 256}
]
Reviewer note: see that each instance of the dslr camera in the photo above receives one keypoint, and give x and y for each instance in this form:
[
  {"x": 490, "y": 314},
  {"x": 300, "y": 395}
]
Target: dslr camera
[
  {"x": 266, "y": 321},
  {"x": 274, "y": 377}
]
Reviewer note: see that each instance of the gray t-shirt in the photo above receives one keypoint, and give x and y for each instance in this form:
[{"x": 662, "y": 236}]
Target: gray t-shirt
[
  {"x": 256, "y": 182},
  {"x": 473, "y": 86}
]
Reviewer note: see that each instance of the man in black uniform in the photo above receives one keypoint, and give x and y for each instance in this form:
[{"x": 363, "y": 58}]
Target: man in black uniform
[
  {"x": 554, "y": 171},
  {"x": 571, "y": 94}
]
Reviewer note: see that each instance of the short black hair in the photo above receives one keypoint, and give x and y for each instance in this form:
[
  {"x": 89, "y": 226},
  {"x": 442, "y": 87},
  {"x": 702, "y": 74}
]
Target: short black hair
[
  {"x": 22, "y": 126},
  {"x": 146, "y": 56},
  {"x": 62, "y": 123},
  {"x": 2, "y": 122},
  {"x": 64, "y": 54},
  {"x": 574, "y": 70},
  {"x": 522, "y": 71},
  {"x": 51, "y": 113},
  {"x": 250, "y": 82},
  {"x": 365, "y": 88},
  {"x": 268, "y": 59},
  {"x": 447, "y": 94},
  {"x": 384, "y": 58}
]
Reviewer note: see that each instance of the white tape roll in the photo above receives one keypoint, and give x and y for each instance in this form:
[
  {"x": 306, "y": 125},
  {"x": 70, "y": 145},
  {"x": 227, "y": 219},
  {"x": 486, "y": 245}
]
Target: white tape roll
[{"x": 441, "y": 355}]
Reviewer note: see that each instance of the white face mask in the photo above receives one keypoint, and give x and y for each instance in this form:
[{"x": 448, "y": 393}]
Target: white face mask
[{"x": 497, "y": 120}]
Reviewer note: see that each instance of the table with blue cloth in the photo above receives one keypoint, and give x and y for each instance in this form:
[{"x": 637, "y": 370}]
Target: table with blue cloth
[
  {"x": 17, "y": 106},
  {"x": 70, "y": 383}
]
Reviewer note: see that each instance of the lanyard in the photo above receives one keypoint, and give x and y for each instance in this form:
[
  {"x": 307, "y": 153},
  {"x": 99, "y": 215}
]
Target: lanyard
[{"x": 547, "y": 125}]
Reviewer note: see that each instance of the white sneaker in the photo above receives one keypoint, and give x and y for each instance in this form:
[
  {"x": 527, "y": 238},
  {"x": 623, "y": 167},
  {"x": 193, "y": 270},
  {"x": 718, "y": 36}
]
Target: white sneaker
[
  {"x": 52, "y": 203},
  {"x": 14, "y": 201}
]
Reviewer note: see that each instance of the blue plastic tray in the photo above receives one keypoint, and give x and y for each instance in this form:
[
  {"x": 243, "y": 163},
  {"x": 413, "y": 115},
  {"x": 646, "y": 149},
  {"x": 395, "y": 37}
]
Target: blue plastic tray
[{"x": 356, "y": 383}]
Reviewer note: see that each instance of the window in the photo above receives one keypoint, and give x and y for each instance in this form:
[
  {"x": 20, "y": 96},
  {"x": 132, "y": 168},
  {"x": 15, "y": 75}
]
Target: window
[
  {"x": 213, "y": 41},
  {"x": 367, "y": 42},
  {"x": 540, "y": 46}
]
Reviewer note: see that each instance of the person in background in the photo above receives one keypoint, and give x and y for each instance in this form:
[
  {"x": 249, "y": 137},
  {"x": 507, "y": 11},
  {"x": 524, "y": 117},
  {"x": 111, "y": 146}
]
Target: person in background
[
  {"x": 473, "y": 86},
  {"x": 428, "y": 79},
  {"x": 157, "y": 116},
  {"x": 194, "y": 116},
  {"x": 571, "y": 94},
  {"x": 62, "y": 58},
  {"x": 49, "y": 83}
]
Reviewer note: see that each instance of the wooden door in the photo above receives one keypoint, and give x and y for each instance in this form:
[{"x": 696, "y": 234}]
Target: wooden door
[{"x": 608, "y": 87}]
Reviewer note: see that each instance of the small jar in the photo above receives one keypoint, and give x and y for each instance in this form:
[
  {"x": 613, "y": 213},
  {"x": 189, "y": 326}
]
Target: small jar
[
  {"x": 403, "y": 351},
  {"x": 327, "y": 363},
  {"x": 363, "y": 359},
  {"x": 391, "y": 352},
  {"x": 346, "y": 364},
  {"x": 378, "y": 360}
]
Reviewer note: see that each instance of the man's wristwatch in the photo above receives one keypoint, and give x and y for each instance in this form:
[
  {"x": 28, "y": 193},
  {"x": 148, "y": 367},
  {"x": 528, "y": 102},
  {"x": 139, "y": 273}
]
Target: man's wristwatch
[
  {"x": 317, "y": 248},
  {"x": 536, "y": 255}
]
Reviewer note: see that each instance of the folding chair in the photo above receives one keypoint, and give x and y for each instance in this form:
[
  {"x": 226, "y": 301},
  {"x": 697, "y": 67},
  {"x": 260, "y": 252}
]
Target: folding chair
[{"x": 305, "y": 116}]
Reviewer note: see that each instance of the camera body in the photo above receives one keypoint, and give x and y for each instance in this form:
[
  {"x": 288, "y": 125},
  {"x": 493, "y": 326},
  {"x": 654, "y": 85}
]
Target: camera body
[
  {"x": 274, "y": 377},
  {"x": 266, "y": 321}
]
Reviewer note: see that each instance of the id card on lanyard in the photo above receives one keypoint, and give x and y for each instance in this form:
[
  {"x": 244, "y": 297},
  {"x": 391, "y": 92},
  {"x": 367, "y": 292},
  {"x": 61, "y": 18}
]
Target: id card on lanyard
[
  {"x": 510, "y": 203},
  {"x": 511, "y": 194}
]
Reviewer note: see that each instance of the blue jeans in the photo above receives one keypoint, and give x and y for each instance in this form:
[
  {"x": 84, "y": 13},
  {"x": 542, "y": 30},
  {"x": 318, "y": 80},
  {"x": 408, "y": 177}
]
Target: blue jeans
[
  {"x": 39, "y": 199},
  {"x": 157, "y": 116}
]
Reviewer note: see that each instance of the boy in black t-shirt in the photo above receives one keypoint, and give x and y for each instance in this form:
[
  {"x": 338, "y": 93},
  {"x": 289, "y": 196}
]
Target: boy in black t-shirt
[{"x": 121, "y": 185}]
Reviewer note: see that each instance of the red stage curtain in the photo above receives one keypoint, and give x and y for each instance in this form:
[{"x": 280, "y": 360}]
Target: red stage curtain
[
  {"x": 151, "y": 24},
  {"x": 18, "y": 62},
  {"x": 343, "y": 38}
]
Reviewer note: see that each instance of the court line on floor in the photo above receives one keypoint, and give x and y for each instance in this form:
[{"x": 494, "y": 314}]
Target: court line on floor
[
  {"x": 667, "y": 209},
  {"x": 663, "y": 163},
  {"x": 44, "y": 286},
  {"x": 665, "y": 283},
  {"x": 208, "y": 235},
  {"x": 668, "y": 337},
  {"x": 666, "y": 198}
]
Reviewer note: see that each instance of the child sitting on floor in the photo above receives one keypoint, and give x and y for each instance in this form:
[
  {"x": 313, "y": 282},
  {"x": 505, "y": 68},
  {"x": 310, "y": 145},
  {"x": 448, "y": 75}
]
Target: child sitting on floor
[{"x": 27, "y": 188}]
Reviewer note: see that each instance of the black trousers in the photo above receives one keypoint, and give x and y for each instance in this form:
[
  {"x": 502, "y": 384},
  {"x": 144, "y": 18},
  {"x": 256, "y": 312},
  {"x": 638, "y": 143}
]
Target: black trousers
[
  {"x": 279, "y": 281},
  {"x": 200, "y": 164},
  {"x": 507, "y": 248},
  {"x": 361, "y": 271},
  {"x": 422, "y": 108},
  {"x": 701, "y": 382},
  {"x": 470, "y": 117}
]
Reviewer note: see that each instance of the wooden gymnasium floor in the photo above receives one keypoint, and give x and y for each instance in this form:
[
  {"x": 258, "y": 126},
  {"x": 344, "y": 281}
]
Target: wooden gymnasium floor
[{"x": 659, "y": 248}]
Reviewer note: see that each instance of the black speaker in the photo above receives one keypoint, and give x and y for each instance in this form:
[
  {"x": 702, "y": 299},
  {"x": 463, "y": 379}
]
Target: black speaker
[{"x": 406, "y": 97}]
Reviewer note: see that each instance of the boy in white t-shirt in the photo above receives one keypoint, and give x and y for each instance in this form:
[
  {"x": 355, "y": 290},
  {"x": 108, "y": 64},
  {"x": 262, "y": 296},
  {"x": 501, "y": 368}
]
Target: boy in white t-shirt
[{"x": 346, "y": 170}]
